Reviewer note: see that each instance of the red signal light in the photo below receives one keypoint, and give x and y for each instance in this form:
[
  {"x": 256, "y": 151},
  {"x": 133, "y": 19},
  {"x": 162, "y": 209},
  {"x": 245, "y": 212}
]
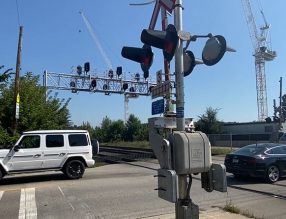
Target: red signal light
[
  {"x": 168, "y": 47},
  {"x": 165, "y": 40},
  {"x": 143, "y": 55}
]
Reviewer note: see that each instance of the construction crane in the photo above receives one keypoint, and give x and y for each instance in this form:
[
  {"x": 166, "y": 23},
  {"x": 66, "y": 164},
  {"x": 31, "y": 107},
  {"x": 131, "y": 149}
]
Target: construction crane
[{"x": 262, "y": 53}]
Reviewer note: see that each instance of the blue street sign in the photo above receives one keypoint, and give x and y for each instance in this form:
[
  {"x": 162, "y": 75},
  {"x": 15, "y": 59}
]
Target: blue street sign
[
  {"x": 180, "y": 112},
  {"x": 158, "y": 107}
]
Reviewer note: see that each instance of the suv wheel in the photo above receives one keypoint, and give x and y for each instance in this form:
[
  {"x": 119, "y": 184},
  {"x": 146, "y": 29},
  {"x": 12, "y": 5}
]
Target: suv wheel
[{"x": 74, "y": 169}]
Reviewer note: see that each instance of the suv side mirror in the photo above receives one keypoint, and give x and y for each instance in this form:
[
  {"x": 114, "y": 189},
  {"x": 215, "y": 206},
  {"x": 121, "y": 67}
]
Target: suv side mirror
[{"x": 16, "y": 148}]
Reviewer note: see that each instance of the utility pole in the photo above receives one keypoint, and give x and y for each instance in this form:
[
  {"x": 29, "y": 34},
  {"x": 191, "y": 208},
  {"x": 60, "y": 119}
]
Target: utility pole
[
  {"x": 184, "y": 206},
  {"x": 17, "y": 78},
  {"x": 281, "y": 116},
  {"x": 180, "y": 102}
]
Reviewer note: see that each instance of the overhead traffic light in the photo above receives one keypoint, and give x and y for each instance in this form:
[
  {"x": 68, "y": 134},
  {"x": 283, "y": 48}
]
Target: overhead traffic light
[
  {"x": 110, "y": 73},
  {"x": 119, "y": 71},
  {"x": 79, "y": 70},
  {"x": 125, "y": 86},
  {"x": 137, "y": 76},
  {"x": 143, "y": 55},
  {"x": 93, "y": 84},
  {"x": 86, "y": 67},
  {"x": 165, "y": 40}
]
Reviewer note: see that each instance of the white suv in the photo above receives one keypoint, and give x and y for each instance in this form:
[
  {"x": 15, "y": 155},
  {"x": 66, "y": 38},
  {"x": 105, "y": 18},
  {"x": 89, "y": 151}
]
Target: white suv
[{"x": 67, "y": 150}]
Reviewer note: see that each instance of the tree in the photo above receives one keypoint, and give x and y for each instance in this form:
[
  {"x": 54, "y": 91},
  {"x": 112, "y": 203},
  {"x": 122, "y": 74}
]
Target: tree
[
  {"x": 110, "y": 131},
  {"x": 5, "y": 75},
  {"x": 283, "y": 105},
  {"x": 132, "y": 129},
  {"x": 116, "y": 131},
  {"x": 6, "y": 140},
  {"x": 143, "y": 134},
  {"x": 208, "y": 122},
  {"x": 37, "y": 110},
  {"x": 105, "y": 127},
  {"x": 98, "y": 134},
  {"x": 88, "y": 127}
]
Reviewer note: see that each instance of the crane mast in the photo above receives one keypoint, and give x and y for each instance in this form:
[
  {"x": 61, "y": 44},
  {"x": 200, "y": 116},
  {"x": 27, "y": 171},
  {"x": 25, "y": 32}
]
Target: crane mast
[{"x": 262, "y": 53}]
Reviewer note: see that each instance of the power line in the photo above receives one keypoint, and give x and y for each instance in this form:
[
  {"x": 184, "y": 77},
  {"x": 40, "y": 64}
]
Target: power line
[
  {"x": 17, "y": 6},
  {"x": 141, "y": 4}
]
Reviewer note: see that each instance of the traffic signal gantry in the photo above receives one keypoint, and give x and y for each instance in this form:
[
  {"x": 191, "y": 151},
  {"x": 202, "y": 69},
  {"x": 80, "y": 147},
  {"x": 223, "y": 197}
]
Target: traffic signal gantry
[
  {"x": 181, "y": 152},
  {"x": 112, "y": 82},
  {"x": 81, "y": 79}
]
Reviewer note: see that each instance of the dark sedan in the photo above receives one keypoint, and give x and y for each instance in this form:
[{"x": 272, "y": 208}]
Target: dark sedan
[{"x": 266, "y": 160}]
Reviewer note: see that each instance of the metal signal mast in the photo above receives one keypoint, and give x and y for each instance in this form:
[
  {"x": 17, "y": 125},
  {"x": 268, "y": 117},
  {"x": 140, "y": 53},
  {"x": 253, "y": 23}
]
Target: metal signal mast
[{"x": 262, "y": 53}]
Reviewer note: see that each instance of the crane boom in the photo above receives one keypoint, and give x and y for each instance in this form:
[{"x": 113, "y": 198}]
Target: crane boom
[
  {"x": 250, "y": 23},
  {"x": 262, "y": 53}
]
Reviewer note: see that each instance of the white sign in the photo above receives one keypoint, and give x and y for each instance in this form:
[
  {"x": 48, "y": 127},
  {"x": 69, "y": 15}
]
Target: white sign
[
  {"x": 168, "y": 4},
  {"x": 17, "y": 116},
  {"x": 159, "y": 76},
  {"x": 161, "y": 89}
]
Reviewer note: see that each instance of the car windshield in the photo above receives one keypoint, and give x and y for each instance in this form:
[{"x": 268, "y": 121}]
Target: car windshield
[{"x": 251, "y": 149}]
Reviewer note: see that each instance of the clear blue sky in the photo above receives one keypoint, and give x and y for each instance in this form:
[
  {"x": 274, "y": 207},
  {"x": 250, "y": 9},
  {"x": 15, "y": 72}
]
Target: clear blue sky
[{"x": 55, "y": 38}]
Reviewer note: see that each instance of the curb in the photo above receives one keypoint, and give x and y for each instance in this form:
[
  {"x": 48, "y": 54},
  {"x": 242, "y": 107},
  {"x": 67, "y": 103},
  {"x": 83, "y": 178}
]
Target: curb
[{"x": 215, "y": 213}]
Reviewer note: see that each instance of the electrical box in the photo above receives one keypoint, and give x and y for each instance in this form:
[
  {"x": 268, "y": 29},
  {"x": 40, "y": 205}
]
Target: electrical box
[
  {"x": 191, "y": 152},
  {"x": 215, "y": 178},
  {"x": 167, "y": 183},
  {"x": 161, "y": 146}
]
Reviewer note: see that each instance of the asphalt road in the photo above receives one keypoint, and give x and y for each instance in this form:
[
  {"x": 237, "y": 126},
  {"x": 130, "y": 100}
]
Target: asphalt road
[{"x": 125, "y": 191}]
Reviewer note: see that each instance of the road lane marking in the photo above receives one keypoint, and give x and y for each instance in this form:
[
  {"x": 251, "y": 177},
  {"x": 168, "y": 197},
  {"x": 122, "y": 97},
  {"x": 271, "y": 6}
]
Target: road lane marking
[
  {"x": 28, "y": 207},
  {"x": 71, "y": 206},
  {"x": 22, "y": 210},
  {"x": 87, "y": 209},
  {"x": 63, "y": 194}
]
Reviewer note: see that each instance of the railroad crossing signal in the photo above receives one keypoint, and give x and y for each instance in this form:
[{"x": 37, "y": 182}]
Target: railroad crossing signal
[
  {"x": 165, "y": 40},
  {"x": 143, "y": 55}
]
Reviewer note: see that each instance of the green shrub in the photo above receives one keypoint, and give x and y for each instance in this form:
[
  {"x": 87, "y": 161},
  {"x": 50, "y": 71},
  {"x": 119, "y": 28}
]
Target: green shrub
[{"x": 6, "y": 140}]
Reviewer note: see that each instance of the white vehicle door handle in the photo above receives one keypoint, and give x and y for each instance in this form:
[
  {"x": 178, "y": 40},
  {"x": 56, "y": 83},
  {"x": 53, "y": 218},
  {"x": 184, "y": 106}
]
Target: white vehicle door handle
[{"x": 37, "y": 155}]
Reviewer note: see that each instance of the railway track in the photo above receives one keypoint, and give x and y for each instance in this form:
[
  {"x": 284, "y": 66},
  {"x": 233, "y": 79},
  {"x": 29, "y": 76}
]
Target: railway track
[{"x": 119, "y": 154}]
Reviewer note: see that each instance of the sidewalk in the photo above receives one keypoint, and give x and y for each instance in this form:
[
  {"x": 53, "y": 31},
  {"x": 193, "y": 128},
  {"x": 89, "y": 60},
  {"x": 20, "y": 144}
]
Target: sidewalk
[{"x": 214, "y": 213}]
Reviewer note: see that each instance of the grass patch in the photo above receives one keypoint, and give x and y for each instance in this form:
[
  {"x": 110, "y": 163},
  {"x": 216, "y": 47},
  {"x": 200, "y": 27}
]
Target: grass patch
[
  {"x": 229, "y": 207},
  {"x": 99, "y": 164},
  {"x": 220, "y": 150}
]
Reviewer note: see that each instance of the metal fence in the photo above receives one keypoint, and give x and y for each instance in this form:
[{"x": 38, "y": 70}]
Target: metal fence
[{"x": 239, "y": 140}]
